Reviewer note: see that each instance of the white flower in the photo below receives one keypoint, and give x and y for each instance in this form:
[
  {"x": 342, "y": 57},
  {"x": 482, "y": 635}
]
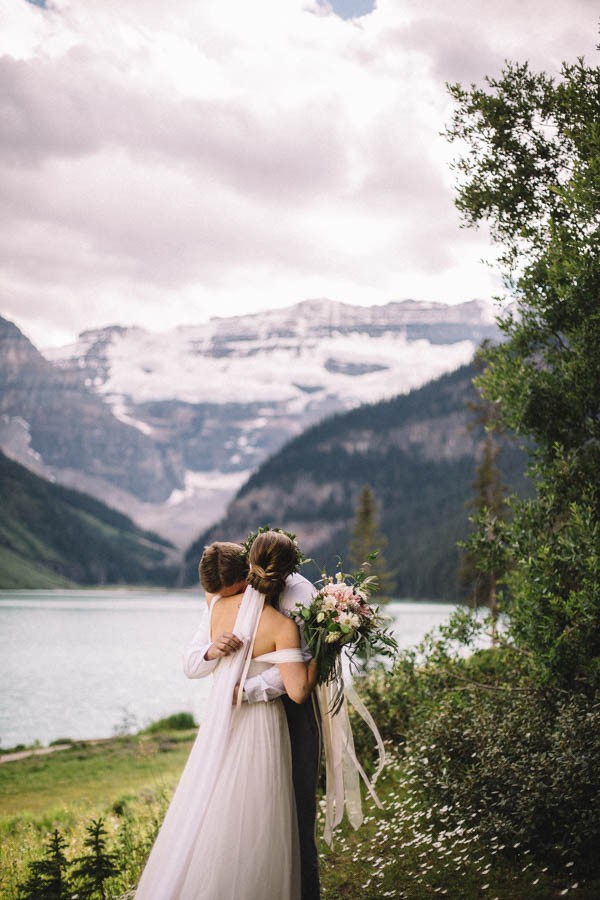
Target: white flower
[
  {"x": 349, "y": 619},
  {"x": 332, "y": 637},
  {"x": 320, "y": 616},
  {"x": 339, "y": 577}
]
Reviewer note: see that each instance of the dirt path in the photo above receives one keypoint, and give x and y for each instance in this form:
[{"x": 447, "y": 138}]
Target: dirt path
[
  {"x": 36, "y": 751},
  {"x": 41, "y": 751}
]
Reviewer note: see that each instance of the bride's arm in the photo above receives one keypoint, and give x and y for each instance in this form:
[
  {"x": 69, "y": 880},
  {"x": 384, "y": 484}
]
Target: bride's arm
[{"x": 299, "y": 678}]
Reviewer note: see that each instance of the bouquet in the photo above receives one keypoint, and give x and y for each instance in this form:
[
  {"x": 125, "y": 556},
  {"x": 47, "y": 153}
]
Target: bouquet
[{"x": 341, "y": 619}]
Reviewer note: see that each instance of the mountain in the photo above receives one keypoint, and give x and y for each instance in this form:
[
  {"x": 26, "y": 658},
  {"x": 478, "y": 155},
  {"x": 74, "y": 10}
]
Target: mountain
[
  {"x": 209, "y": 403},
  {"x": 52, "y": 423},
  {"x": 51, "y": 536},
  {"x": 417, "y": 454}
]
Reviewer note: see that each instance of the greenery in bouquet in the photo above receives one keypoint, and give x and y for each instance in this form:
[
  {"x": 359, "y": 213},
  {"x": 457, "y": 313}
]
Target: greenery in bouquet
[{"x": 341, "y": 619}]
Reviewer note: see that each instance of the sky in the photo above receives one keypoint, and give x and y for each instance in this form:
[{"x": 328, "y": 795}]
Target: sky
[{"x": 165, "y": 162}]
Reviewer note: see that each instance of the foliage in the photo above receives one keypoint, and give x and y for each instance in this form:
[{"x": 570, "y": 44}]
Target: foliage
[
  {"x": 368, "y": 538},
  {"x": 81, "y": 777},
  {"x": 481, "y": 567},
  {"x": 92, "y": 870},
  {"x": 486, "y": 746},
  {"x": 247, "y": 544},
  {"x": 181, "y": 721},
  {"x": 49, "y": 876},
  {"x": 522, "y": 766},
  {"x": 457, "y": 656},
  {"x": 531, "y": 170},
  {"x": 392, "y": 697},
  {"x": 555, "y": 583},
  {"x": 415, "y": 848},
  {"x": 52, "y": 536},
  {"x": 412, "y": 849}
]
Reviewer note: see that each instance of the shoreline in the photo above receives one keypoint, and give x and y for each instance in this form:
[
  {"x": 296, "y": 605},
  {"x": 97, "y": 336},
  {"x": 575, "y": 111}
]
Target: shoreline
[{"x": 13, "y": 755}]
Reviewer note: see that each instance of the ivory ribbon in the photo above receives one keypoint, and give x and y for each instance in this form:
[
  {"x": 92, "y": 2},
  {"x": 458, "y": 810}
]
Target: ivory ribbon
[
  {"x": 248, "y": 649},
  {"x": 342, "y": 769}
]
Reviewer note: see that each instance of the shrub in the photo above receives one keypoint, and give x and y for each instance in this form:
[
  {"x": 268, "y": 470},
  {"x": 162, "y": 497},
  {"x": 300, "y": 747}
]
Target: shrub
[
  {"x": 524, "y": 767},
  {"x": 181, "y": 721},
  {"x": 389, "y": 697}
]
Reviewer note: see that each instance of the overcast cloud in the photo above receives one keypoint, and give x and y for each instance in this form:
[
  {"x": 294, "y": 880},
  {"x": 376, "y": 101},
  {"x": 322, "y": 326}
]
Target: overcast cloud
[{"x": 163, "y": 162}]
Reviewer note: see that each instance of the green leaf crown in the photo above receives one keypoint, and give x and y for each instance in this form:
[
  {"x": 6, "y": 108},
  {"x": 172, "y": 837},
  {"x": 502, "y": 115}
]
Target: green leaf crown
[{"x": 247, "y": 544}]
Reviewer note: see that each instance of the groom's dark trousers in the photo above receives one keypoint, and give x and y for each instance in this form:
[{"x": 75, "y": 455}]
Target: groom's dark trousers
[{"x": 304, "y": 738}]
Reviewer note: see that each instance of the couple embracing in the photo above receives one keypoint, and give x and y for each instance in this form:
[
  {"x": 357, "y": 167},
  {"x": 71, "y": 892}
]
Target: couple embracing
[{"x": 241, "y": 824}]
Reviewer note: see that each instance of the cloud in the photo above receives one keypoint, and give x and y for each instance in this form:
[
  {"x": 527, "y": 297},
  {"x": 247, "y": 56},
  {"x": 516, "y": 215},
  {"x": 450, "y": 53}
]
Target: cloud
[{"x": 166, "y": 161}]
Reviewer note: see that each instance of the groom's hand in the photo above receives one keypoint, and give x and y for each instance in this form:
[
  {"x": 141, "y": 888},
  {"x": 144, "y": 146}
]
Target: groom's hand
[{"x": 225, "y": 644}]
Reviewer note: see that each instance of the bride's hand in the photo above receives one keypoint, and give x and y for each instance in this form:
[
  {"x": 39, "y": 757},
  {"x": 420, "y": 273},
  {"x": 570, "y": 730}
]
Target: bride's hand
[{"x": 225, "y": 644}]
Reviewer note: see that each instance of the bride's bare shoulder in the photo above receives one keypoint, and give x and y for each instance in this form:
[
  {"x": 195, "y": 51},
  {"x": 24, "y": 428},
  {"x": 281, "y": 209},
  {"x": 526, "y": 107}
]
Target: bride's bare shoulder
[
  {"x": 277, "y": 621},
  {"x": 285, "y": 631},
  {"x": 271, "y": 615}
]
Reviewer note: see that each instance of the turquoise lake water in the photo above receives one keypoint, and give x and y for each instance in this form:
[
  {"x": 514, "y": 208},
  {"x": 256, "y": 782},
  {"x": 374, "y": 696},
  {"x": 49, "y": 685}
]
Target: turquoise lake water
[{"x": 88, "y": 663}]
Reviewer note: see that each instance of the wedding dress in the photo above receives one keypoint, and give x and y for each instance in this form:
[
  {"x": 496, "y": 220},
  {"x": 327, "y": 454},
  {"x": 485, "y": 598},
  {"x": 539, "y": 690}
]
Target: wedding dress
[{"x": 231, "y": 832}]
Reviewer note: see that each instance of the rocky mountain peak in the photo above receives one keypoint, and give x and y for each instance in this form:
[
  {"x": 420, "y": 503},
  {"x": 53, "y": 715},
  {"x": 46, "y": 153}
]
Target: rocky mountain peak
[{"x": 200, "y": 406}]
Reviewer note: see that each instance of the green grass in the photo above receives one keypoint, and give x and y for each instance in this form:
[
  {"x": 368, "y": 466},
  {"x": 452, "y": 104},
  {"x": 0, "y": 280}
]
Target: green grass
[
  {"x": 127, "y": 780},
  {"x": 87, "y": 776},
  {"x": 398, "y": 852}
]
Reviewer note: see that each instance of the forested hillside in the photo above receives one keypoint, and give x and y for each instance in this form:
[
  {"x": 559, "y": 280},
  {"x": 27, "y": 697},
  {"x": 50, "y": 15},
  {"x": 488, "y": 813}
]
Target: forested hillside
[
  {"x": 416, "y": 453},
  {"x": 52, "y": 536}
]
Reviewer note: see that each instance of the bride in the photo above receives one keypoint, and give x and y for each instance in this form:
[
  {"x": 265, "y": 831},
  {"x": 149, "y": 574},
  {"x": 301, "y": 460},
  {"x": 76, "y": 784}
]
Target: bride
[{"x": 230, "y": 832}]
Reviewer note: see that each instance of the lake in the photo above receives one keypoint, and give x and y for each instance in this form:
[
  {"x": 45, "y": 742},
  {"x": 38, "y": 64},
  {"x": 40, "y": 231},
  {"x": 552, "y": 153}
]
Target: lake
[{"x": 88, "y": 663}]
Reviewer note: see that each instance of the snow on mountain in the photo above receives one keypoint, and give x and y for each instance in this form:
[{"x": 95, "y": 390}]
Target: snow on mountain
[
  {"x": 218, "y": 398},
  {"x": 302, "y": 357}
]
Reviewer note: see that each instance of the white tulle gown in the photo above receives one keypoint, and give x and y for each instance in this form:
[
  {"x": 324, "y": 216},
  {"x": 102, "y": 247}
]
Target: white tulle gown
[{"x": 230, "y": 832}]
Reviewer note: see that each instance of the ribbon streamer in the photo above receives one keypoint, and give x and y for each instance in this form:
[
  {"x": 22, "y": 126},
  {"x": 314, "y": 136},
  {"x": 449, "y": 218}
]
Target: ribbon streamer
[{"x": 343, "y": 771}]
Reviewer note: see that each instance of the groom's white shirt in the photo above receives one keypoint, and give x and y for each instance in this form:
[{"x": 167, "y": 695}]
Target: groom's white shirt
[{"x": 269, "y": 684}]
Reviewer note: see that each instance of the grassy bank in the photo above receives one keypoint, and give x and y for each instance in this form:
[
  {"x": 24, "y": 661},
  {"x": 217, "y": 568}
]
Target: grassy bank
[
  {"x": 88, "y": 775},
  {"x": 398, "y": 852}
]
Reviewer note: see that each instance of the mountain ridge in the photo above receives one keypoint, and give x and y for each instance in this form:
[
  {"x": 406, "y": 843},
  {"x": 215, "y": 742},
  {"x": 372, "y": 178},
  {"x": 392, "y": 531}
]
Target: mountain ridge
[
  {"x": 417, "y": 454},
  {"x": 51, "y": 536},
  {"x": 165, "y": 426}
]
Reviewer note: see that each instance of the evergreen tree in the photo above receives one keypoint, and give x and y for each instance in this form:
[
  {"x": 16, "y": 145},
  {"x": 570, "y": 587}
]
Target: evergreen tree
[
  {"x": 48, "y": 877},
  {"x": 481, "y": 567},
  {"x": 368, "y": 539},
  {"x": 531, "y": 169},
  {"x": 97, "y": 866}
]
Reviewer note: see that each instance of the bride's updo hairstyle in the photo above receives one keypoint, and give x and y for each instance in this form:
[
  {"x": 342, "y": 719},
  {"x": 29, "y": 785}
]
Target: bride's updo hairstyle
[{"x": 272, "y": 557}]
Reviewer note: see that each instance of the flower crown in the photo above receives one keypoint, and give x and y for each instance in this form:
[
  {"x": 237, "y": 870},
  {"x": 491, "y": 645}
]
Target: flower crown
[{"x": 247, "y": 544}]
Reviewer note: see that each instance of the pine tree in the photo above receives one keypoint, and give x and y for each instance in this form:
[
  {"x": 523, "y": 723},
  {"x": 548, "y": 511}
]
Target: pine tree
[
  {"x": 48, "y": 877},
  {"x": 97, "y": 866},
  {"x": 481, "y": 563},
  {"x": 368, "y": 539}
]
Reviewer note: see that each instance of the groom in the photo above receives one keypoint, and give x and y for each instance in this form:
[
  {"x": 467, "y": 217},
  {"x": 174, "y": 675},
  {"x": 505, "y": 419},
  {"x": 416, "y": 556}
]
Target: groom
[{"x": 223, "y": 570}]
